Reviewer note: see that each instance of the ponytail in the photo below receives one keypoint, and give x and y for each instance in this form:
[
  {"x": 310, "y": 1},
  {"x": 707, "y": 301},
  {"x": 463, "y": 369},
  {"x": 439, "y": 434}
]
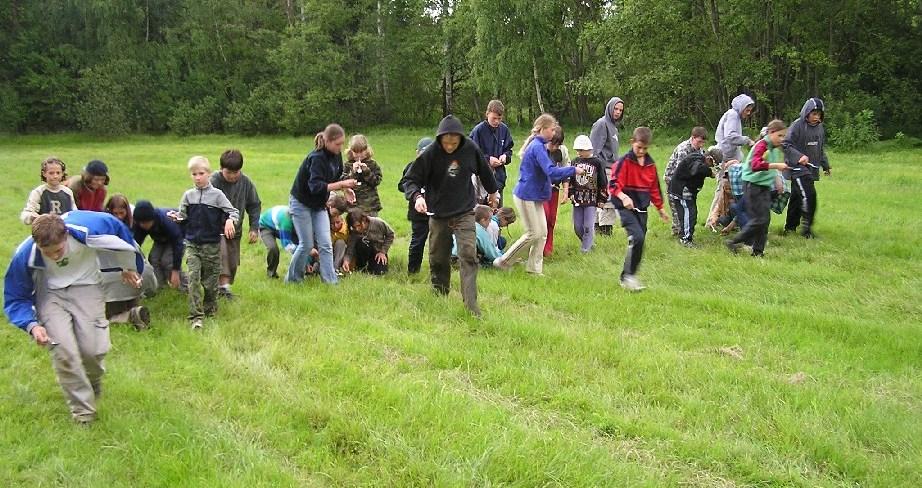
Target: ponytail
[
  {"x": 331, "y": 132},
  {"x": 542, "y": 122}
]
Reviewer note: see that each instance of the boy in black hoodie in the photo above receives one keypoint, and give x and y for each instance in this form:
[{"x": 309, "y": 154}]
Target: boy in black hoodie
[
  {"x": 444, "y": 169},
  {"x": 804, "y": 149},
  {"x": 684, "y": 185}
]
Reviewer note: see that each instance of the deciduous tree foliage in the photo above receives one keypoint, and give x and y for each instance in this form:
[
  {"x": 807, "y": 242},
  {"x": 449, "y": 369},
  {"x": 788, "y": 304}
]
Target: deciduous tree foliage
[{"x": 291, "y": 66}]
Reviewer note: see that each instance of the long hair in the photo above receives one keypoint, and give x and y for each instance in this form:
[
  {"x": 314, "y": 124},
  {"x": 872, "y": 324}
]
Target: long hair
[
  {"x": 542, "y": 122},
  {"x": 120, "y": 201},
  {"x": 330, "y": 133}
]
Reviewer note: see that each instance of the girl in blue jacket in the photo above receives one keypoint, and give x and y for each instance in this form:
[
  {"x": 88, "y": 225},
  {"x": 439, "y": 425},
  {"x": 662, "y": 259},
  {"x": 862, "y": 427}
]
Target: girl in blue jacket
[{"x": 536, "y": 173}]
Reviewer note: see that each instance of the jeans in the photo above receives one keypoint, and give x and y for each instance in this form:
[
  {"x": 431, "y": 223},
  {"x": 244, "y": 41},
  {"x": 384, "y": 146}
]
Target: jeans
[
  {"x": 441, "y": 231},
  {"x": 584, "y": 225},
  {"x": 313, "y": 228}
]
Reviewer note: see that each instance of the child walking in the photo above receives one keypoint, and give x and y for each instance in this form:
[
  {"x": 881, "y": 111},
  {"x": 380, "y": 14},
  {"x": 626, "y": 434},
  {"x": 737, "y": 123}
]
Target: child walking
[
  {"x": 241, "y": 192},
  {"x": 759, "y": 173},
  {"x": 561, "y": 158},
  {"x": 204, "y": 213},
  {"x": 587, "y": 191},
  {"x": 366, "y": 172},
  {"x": 419, "y": 222},
  {"x": 805, "y": 148},
  {"x": 51, "y": 196},
  {"x": 536, "y": 172},
  {"x": 634, "y": 185}
]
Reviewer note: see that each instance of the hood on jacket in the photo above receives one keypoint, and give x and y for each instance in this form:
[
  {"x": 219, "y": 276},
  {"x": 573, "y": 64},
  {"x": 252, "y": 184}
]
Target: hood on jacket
[
  {"x": 740, "y": 102},
  {"x": 611, "y": 105},
  {"x": 450, "y": 125},
  {"x": 810, "y": 105}
]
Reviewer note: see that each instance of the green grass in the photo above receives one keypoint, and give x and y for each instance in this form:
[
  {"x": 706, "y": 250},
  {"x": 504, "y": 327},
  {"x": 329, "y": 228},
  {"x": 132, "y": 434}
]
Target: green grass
[{"x": 568, "y": 381}]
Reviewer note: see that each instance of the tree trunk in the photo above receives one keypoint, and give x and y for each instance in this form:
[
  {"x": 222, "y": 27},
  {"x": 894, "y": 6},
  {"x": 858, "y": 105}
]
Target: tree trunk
[
  {"x": 534, "y": 70},
  {"x": 382, "y": 72}
]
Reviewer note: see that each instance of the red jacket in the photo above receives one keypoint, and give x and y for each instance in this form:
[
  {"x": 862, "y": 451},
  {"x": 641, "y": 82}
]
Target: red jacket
[
  {"x": 87, "y": 199},
  {"x": 640, "y": 182}
]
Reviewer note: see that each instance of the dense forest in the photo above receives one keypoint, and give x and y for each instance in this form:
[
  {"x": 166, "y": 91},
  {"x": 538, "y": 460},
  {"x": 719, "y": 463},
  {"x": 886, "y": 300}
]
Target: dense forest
[{"x": 290, "y": 66}]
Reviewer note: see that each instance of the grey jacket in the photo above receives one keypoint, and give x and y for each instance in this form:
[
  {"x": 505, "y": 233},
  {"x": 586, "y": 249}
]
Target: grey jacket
[
  {"x": 604, "y": 135},
  {"x": 729, "y": 134},
  {"x": 808, "y": 140},
  {"x": 242, "y": 195}
]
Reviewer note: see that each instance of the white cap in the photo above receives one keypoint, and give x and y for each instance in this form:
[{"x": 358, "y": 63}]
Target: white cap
[{"x": 582, "y": 142}]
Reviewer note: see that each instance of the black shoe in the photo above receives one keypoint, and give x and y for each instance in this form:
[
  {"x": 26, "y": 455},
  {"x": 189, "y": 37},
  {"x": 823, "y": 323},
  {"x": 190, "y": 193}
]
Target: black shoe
[
  {"x": 605, "y": 230},
  {"x": 272, "y": 274},
  {"x": 787, "y": 231},
  {"x": 226, "y": 294},
  {"x": 139, "y": 317},
  {"x": 734, "y": 247},
  {"x": 757, "y": 254},
  {"x": 807, "y": 234}
]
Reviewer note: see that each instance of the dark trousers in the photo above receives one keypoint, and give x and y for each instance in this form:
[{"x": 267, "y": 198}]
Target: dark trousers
[
  {"x": 420, "y": 231},
  {"x": 758, "y": 209},
  {"x": 802, "y": 206},
  {"x": 635, "y": 225},
  {"x": 685, "y": 211},
  {"x": 365, "y": 259},
  {"x": 440, "y": 243}
]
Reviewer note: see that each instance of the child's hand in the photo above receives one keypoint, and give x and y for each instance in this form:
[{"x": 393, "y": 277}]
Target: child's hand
[
  {"x": 131, "y": 278},
  {"x": 350, "y": 195},
  {"x": 663, "y": 215},
  {"x": 174, "y": 279},
  {"x": 348, "y": 183},
  {"x": 40, "y": 335},
  {"x": 347, "y": 266},
  {"x": 627, "y": 202},
  {"x": 580, "y": 170},
  {"x": 803, "y": 160},
  {"x": 420, "y": 205},
  {"x": 381, "y": 258},
  {"x": 253, "y": 237},
  {"x": 174, "y": 216},
  {"x": 229, "y": 231}
]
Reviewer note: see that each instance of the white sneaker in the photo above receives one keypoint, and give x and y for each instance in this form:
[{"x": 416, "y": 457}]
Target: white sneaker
[
  {"x": 196, "y": 324},
  {"x": 501, "y": 264},
  {"x": 631, "y": 283}
]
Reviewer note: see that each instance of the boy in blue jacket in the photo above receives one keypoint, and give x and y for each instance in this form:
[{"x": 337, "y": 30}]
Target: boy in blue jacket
[
  {"x": 166, "y": 254},
  {"x": 52, "y": 291},
  {"x": 493, "y": 138}
]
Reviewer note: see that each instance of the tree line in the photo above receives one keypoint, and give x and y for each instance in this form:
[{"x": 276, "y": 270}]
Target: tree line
[{"x": 290, "y": 66}]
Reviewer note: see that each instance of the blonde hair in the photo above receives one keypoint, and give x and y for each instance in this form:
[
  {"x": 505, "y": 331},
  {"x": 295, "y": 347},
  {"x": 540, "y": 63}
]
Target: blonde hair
[
  {"x": 357, "y": 144},
  {"x": 542, "y": 122},
  {"x": 775, "y": 125},
  {"x": 330, "y": 133},
  {"x": 199, "y": 162}
]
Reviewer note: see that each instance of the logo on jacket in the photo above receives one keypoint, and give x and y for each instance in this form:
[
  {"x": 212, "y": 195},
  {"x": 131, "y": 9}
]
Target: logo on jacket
[
  {"x": 63, "y": 262},
  {"x": 454, "y": 168}
]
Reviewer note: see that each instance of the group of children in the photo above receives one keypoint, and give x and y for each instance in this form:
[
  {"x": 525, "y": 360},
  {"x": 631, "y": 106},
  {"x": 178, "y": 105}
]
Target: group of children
[{"x": 82, "y": 266}]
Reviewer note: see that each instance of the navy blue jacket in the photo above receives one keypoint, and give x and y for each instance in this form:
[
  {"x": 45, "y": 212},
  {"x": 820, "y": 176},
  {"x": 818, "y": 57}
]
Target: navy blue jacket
[
  {"x": 495, "y": 143},
  {"x": 318, "y": 169},
  {"x": 164, "y": 231}
]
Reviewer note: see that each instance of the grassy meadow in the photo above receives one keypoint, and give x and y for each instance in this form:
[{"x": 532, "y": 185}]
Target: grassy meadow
[{"x": 800, "y": 369}]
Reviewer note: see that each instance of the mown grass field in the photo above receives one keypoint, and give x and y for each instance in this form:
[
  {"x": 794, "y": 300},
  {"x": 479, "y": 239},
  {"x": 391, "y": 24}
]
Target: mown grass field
[{"x": 800, "y": 369}]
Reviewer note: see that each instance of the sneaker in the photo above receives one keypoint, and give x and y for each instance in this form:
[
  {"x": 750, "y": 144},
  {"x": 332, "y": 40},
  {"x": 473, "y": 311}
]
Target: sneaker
[
  {"x": 687, "y": 243},
  {"x": 196, "y": 324},
  {"x": 807, "y": 234},
  {"x": 501, "y": 264},
  {"x": 734, "y": 247},
  {"x": 225, "y": 293},
  {"x": 139, "y": 317},
  {"x": 757, "y": 254},
  {"x": 631, "y": 283},
  {"x": 272, "y": 274}
]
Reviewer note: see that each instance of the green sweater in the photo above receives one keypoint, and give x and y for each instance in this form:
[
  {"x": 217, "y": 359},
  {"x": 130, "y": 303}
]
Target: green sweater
[{"x": 755, "y": 169}]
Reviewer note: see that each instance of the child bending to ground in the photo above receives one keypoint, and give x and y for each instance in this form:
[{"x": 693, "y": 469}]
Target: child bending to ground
[
  {"x": 634, "y": 185},
  {"x": 369, "y": 240}
]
